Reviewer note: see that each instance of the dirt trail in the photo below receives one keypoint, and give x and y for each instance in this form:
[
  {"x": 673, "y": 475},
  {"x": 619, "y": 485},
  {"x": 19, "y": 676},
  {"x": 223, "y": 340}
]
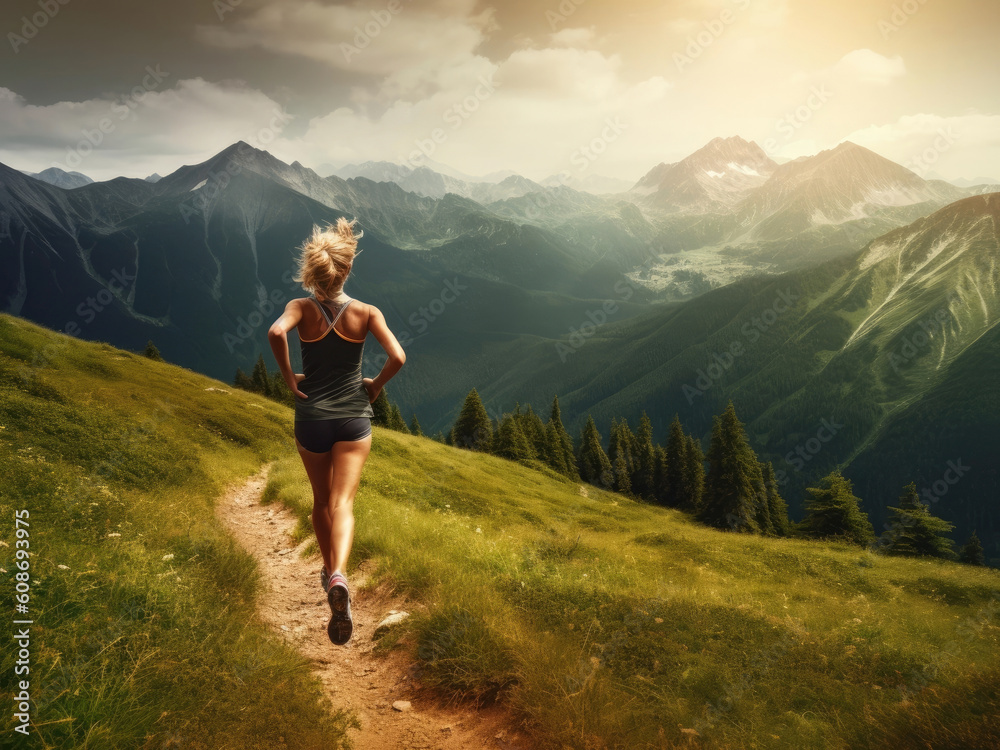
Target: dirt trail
[{"x": 353, "y": 678}]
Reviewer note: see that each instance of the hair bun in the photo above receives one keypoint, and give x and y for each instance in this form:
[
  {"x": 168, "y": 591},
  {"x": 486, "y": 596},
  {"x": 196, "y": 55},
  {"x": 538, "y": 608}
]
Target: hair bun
[{"x": 326, "y": 256}]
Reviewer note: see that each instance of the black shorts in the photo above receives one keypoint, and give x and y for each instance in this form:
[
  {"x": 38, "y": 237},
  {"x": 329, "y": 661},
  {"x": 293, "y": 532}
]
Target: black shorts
[{"x": 318, "y": 436}]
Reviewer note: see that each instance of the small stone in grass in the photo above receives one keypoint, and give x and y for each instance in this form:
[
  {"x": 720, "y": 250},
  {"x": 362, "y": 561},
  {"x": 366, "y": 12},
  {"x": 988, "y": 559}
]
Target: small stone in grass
[
  {"x": 401, "y": 706},
  {"x": 383, "y": 627}
]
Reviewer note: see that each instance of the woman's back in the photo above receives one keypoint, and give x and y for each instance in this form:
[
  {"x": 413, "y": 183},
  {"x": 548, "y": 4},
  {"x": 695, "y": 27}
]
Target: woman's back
[
  {"x": 353, "y": 322},
  {"x": 332, "y": 338}
]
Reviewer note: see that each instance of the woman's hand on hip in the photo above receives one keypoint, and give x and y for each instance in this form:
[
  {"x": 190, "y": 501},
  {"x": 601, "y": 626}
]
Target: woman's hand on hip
[
  {"x": 299, "y": 377},
  {"x": 373, "y": 389}
]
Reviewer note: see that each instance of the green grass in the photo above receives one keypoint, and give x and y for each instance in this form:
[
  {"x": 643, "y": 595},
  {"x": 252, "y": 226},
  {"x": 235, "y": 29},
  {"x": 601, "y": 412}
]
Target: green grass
[
  {"x": 144, "y": 634},
  {"x": 608, "y": 623},
  {"x": 602, "y": 621}
]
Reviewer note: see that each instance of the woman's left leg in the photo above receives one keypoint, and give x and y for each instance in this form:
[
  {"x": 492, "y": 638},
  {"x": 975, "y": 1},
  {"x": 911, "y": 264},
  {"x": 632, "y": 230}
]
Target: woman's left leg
[{"x": 349, "y": 458}]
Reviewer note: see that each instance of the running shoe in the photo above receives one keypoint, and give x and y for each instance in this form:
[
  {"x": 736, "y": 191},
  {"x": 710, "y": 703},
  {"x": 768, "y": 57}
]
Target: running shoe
[
  {"x": 324, "y": 578},
  {"x": 341, "y": 626}
]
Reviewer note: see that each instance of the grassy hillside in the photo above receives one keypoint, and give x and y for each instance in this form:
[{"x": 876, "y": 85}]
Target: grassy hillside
[
  {"x": 605, "y": 622},
  {"x": 144, "y": 632},
  {"x": 894, "y": 345},
  {"x": 615, "y": 624}
]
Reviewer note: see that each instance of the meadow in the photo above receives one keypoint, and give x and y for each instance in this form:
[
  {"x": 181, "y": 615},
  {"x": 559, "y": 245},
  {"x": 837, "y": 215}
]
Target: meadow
[
  {"x": 602, "y": 622},
  {"x": 145, "y": 633}
]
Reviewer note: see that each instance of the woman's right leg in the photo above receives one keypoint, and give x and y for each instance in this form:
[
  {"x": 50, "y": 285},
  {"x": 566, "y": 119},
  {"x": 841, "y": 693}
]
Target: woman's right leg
[{"x": 319, "y": 469}]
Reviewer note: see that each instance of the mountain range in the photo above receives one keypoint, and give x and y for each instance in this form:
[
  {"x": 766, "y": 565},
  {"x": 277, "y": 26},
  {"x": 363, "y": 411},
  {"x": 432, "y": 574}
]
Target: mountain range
[
  {"x": 882, "y": 363},
  {"x": 877, "y": 313}
]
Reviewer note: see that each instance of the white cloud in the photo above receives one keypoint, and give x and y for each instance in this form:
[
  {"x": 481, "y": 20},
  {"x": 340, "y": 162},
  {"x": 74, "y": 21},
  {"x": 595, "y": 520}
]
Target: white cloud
[
  {"x": 149, "y": 131},
  {"x": 573, "y": 37},
  {"x": 585, "y": 74},
  {"x": 867, "y": 66},
  {"x": 545, "y": 105},
  {"x": 410, "y": 44},
  {"x": 758, "y": 13},
  {"x": 955, "y": 147}
]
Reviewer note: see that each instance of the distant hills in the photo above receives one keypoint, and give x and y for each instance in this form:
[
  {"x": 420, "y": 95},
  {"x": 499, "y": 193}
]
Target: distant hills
[
  {"x": 197, "y": 259},
  {"x": 725, "y": 212},
  {"x": 61, "y": 178},
  {"x": 895, "y": 347},
  {"x": 434, "y": 181},
  {"x": 877, "y": 312}
]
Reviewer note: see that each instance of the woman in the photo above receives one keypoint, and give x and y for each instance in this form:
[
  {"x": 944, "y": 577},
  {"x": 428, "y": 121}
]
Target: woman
[{"x": 332, "y": 401}]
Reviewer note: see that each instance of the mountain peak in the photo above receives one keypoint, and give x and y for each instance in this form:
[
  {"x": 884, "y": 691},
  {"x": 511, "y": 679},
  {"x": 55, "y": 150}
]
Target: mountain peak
[
  {"x": 239, "y": 158},
  {"x": 713, "y": 178},
  {"x": 732, "y": 140},
  {"x": 845, "y": 183},
  {"x": 722, "y": 151}
]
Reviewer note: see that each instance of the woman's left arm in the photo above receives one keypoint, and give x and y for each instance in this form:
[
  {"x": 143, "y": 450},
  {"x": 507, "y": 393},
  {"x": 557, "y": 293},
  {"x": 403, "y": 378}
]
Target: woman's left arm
[{"x": 277, "y": 336}]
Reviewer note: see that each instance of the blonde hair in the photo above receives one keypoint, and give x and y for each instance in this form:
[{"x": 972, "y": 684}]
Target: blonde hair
[{"x": 326, "y": 257}]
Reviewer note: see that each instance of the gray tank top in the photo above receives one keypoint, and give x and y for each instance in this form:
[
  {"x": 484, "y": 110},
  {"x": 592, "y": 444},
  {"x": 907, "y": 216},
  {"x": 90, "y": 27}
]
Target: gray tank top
[{"x": 332, "y": 368}]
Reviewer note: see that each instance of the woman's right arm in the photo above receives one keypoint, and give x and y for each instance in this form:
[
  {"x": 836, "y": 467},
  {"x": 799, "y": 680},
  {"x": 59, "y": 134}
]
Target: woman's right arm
[
  {"x": 277, "y": 336},
  {"x": 397, "y": 357}
]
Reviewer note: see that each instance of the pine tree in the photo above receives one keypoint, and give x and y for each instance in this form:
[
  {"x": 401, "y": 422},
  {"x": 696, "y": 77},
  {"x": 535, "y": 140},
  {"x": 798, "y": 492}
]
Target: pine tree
[
  {"x": 560, "y": 445},
  {"x": 382, "y": 410},
  {"x": 622, "y": 476},
  {"x": 259, "y": 379},
  {"x": 644, "y": 471},
  {"x": 620, "y": 448},
  {"x": 914, "y": 531},
  {"x": 832, "y": 511},
  {"x": 396, "y": 421},
  {"x": 763, "y": 508},
  {"x": 415, "y": 427},
  {"x": 972, "y": 552},
  {"x": 534, "y": 430},
  {"x": 280, "y": 391},
  {"x": 473, "y": 429},
  {"x": 554, "y": 455},
  {"x": 659, "y": 473},
  {"x": 777, "y": 507},
  {"x": 242, "y": 380},
  {"x": 673, "y": 478},
  {"x": 152, "y": 352},
  {"x": 510, "y": 441},
  {"x": 593, "y": 462},
  {"x": 439, "y": 438},
  {"x": 734, "y": 495},
  {"x": 693, "y": 481}
]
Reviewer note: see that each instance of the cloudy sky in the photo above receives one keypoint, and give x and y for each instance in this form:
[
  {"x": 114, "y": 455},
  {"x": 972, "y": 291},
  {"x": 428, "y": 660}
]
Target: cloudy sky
[{"x": 117, "y": 87}]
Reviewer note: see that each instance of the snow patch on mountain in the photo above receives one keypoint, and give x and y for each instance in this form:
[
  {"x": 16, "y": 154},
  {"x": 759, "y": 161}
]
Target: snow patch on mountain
[{"x": 744, "y": 169}]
